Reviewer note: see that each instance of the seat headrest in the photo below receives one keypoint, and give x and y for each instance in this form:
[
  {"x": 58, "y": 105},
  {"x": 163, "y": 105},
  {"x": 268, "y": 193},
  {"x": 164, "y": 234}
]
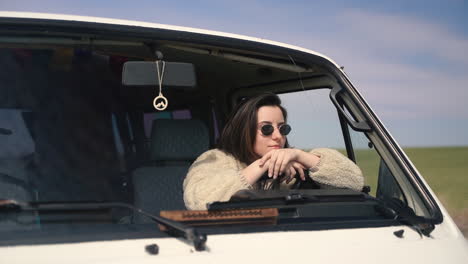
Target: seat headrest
[{"x": 178, "y": 140}]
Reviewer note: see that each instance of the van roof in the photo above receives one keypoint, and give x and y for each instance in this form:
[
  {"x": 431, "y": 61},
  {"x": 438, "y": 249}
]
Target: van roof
[{"x": 49, "y": 16}]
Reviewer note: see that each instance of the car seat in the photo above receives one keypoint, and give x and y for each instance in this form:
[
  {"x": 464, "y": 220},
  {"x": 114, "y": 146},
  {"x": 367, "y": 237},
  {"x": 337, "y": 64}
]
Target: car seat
[{"x": 174, "y": 145}]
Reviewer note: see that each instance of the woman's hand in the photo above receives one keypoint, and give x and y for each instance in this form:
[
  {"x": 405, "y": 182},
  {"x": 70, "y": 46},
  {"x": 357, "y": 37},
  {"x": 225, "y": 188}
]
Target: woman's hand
[
  {"x": 293, "y": 169},
  {"x": 280, "y": 161},
  {"x": 254, "y": 171}
]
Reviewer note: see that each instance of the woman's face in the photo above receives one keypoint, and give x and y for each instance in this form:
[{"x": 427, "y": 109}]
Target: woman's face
[{"x": 269, "y": 115}]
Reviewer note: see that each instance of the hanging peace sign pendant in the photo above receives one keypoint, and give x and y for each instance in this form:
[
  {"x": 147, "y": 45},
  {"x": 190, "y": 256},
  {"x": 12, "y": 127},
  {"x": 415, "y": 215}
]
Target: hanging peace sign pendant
[{"x": 160, "y": 102}]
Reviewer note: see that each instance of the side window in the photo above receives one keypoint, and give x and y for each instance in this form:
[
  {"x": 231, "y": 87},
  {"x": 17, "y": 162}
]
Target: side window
[
  {"x": 376, "y": 173},
  {"x": 366, "y": 157},
  {"x": 315, "y": 124},
  {"x": 314, "y": 120}
]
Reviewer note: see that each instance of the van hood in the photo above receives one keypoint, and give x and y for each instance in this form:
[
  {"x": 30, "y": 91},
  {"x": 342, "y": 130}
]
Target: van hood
[{"x": 330, "y": 246}]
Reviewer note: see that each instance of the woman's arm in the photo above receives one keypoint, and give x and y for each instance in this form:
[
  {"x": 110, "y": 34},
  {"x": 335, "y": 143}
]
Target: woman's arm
[
  {"x": 214, "y": 176},
  {"x": 336, "y": 171},
  {"x": 328, "y": 167},
  {"x": 254, "y": 171}
]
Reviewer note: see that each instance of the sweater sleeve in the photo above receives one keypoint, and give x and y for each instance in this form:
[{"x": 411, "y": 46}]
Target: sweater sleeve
[
  {"x": 336, "y": 171},
  {"x": 214, "y": 176}
]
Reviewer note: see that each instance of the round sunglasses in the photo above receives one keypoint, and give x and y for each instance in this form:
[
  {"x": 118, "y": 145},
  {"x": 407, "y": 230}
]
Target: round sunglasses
[{"x": 268, "y": 129}]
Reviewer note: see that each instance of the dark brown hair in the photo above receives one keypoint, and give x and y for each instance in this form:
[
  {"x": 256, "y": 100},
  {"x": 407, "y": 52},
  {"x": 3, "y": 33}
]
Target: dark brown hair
[{"x": 238, "y": 136}]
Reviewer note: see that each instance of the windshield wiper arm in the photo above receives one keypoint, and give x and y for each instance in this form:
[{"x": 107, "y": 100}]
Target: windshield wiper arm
[
  {"x": 286, "y": 198},
  {"x": 190, "y": 233},
  {"x": 396, "y": 209}
]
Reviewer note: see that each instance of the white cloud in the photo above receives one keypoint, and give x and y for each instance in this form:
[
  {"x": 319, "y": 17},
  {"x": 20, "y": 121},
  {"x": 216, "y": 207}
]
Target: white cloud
[
  {"x": 373, "y": 48},
  {"x": 425, "y": 92},
  {"x": 391, "y": 32}
]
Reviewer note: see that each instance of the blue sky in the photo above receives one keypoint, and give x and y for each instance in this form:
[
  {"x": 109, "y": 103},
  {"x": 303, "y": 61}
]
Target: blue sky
[{"x": 409, "y": 59}]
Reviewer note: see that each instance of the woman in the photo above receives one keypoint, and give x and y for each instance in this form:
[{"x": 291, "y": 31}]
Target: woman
[{"x": 254, "y": 143}]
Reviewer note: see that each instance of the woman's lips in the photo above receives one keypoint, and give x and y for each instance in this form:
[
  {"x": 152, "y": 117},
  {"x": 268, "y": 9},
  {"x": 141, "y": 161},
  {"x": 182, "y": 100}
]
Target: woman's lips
[{"x": 275, "y": 146}]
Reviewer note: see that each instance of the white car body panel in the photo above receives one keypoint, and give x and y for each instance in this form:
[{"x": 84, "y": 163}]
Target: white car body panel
[{"x": 362, "y": 245}]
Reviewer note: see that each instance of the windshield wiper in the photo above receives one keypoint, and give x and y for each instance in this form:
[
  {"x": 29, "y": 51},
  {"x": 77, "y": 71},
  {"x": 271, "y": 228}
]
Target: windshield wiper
[
  {"x": 286, "y": 198},
  {"x": 190, "y": 233},
  {"x": 389, "y": 208},
  {"x": 398, "y": 210}
]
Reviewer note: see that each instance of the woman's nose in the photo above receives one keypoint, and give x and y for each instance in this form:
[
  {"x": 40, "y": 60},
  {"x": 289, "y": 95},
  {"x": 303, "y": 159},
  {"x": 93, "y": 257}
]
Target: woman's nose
[{"x": 276, "y": 134}]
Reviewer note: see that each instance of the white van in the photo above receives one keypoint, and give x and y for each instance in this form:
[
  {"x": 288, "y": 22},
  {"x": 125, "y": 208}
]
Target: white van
[{"x": 93, "y": 152}]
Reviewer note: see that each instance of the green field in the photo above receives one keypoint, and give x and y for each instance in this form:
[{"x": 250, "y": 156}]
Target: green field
[
  {"x": 446, "y": 171},
  {"x": 444, "y": 168}
]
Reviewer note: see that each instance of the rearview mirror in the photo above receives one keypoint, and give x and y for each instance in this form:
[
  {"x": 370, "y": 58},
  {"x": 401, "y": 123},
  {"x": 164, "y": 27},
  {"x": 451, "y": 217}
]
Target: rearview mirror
[{"x": 144, "y": 73}]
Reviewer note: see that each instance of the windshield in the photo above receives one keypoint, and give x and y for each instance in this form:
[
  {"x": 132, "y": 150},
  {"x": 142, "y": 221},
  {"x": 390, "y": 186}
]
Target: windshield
[{"x": 71, "y": 132}]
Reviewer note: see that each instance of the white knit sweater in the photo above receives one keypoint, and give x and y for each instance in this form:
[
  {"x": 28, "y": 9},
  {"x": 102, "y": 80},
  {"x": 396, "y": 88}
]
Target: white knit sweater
[{"x": 216, "y": 176}]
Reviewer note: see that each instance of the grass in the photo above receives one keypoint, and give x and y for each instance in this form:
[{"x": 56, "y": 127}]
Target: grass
[{"x": 445, "y": 169}]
